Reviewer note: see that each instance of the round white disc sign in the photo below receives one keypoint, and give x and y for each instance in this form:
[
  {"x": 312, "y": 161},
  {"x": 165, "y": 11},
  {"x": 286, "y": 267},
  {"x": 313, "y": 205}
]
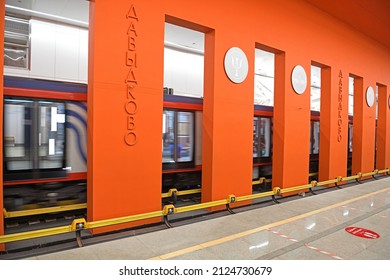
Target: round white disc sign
[
  {"x": 299, "y": 79},
  {"x": 370, "y": 96},
  {"x": 236, "y": 65}
]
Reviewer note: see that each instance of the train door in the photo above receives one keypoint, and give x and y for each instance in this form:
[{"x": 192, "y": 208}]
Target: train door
[
  {"x": 34, "y": 139},
  {"x": 262, "y": 147}
]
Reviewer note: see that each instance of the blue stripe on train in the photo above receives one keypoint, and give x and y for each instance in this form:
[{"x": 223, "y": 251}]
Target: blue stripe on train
[
  {"x": 27, "y": 83},
  {"x": 79, "y": 146}
]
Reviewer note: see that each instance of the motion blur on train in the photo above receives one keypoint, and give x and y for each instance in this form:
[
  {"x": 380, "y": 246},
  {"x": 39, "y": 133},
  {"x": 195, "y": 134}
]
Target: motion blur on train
[
  {"x": 44, "y": 109},
  {"x": 45, "y": 112}
]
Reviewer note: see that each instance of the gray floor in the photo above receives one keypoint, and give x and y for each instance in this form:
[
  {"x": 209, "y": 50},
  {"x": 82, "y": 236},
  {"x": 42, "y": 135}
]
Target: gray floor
[{"x": 312, "y": 227}]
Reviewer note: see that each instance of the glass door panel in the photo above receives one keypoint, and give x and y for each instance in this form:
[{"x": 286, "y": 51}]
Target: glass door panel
[
  {"x": 51, "y": 134},
  {"x": 18, "y": 143}
]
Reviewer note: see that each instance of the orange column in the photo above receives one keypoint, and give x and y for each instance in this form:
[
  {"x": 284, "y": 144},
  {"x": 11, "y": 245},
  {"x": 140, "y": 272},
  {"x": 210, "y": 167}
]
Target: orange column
[
  {"x": 227, "y": 120},
  {"x": 125, "y": 108},
  {"x": 291, "y": 135},
  {"x": 333, "y": 123},
  {"x": 383, "y": 133},
  {"x": 2, "y": 15},
  {"x": 363, "y": 148}
]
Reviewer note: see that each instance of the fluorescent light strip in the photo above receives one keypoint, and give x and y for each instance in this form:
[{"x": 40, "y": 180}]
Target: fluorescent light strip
[
  {"x": 48, "y": 16},
  {"x": 183, "y": 48}
]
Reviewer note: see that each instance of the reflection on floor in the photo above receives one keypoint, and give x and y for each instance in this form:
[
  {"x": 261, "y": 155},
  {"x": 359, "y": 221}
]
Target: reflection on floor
[{"x": 351, "y": 223}]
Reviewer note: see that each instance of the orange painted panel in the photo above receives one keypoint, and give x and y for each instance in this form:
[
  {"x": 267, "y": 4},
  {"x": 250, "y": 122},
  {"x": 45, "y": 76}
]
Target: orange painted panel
[
  {"x": 291, "y": 124},
  {"x": 363, "y": 149},
  {"x": 333, "y": 123},
  {"x": 228, "y": 119},
  {"x": 2, "y": 15},
  {"x": 124, "y": 109}
]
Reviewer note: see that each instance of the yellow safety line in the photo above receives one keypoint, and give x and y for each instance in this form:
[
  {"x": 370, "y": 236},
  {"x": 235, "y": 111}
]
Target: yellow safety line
[
  {"x": 254, "y": 196},
  {"x": 115, "y": 221},
  {"x": 179, "y": 193},
  {"x": 297, "y": 188},
  {"x": 22, "y": 213},
  {"x": 34, "y": 234},
  {"x": 232, "y": 237},
  {"x": 323, "y": 183},
  {"x": 201, "y": 206},
  {"x": 168, "y": 209}
]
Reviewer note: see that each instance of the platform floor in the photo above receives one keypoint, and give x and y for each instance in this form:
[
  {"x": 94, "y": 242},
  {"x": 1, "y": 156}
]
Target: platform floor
[{"x": 310, "y": 227}]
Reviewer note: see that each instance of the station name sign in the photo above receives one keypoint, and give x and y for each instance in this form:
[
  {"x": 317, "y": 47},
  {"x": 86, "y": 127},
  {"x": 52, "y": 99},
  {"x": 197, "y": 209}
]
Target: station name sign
[{"x": 131, "y": 105}]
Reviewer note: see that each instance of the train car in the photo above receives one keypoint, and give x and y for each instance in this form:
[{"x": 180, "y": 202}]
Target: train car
[
  {"x": 44, "y": 143},
  {"x": 181, "y": 142}
]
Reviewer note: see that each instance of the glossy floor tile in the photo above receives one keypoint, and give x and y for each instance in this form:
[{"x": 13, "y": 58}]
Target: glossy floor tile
[{"x": 306, "y": 228}]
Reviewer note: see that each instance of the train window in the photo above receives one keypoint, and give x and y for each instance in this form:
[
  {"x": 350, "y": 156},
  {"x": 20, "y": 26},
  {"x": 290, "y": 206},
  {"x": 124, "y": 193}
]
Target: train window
[
  {"x": 17, "y": 134},
  {"x": 264, "y": 78},
  {"x": 177, "y": 136},
  {"x": 185, "y": 136},
  {"x": 51, "y": 134},
  {"x": 261, "y": 137},
  {"x": 350, "y": 133},
  {"x": 34, "y": 138},
  {"x": 314, "y": 137},
  {"x": 168, "y": 136},
  {"x": 16, "y": 42}
]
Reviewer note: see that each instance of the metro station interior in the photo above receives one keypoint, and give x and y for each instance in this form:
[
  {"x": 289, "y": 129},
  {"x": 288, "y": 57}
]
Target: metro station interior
[{"x": 146, "y": 118}]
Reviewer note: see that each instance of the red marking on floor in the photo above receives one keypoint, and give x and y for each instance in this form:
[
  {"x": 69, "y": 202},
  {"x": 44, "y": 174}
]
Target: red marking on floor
[
  {"x": 306, "y": 245},
  {"x": 362, "y": 232}
]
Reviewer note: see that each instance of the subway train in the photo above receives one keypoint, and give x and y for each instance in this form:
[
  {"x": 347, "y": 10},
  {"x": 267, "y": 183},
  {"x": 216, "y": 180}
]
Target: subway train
[
  {"x": 45, "y": 160},
  {"x": 44, "y": 144},
  {"x": 182, "y": 137}
]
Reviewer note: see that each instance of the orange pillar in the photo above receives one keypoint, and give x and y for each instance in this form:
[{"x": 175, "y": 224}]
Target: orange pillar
[
  {"x": 383, "y": 133},
  {"x": 363, "y": 148},
  {"x": 2, "y": 15},
  {"x": 333, "y": 124},
  {"x": 227, "y": 120},
  {"x": 125, "y": 108},
  {"x": 291, "y": 135}
]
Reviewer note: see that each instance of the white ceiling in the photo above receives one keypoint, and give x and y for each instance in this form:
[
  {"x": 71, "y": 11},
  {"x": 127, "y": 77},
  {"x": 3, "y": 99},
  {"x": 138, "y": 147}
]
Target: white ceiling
[
  {"x": 78, "y": 10},
  {"x": 183, "y": 38},
  {"x": 74, "y": 10}
]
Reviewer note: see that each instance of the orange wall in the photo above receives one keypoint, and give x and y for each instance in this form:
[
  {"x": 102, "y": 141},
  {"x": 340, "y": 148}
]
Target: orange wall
[
  {"x": 363, "y": 143},
  {"x": 122, "y": 178},
  {"x": 125, "y": 53},
  {"x": 306, "y": 35},
  {"x": 334, "y": 116},
  {"x": 2, "y": 14}
]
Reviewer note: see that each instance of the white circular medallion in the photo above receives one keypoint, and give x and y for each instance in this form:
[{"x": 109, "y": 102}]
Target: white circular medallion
[
  {"x": 236, "y": 65},
  {"x": 299, "y": 79},
  {"x": 370, "y": 96}
]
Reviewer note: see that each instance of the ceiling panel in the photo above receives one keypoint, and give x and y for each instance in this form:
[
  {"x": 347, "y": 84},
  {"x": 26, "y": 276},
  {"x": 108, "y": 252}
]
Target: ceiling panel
[
  {"x": 72, "y": 9},
  {"x": 367, "y": 16}
]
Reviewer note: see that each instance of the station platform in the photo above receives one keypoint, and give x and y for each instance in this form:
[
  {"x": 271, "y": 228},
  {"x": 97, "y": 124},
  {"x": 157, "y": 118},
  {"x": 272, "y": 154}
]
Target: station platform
[{"x": 352, "y": 223}]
